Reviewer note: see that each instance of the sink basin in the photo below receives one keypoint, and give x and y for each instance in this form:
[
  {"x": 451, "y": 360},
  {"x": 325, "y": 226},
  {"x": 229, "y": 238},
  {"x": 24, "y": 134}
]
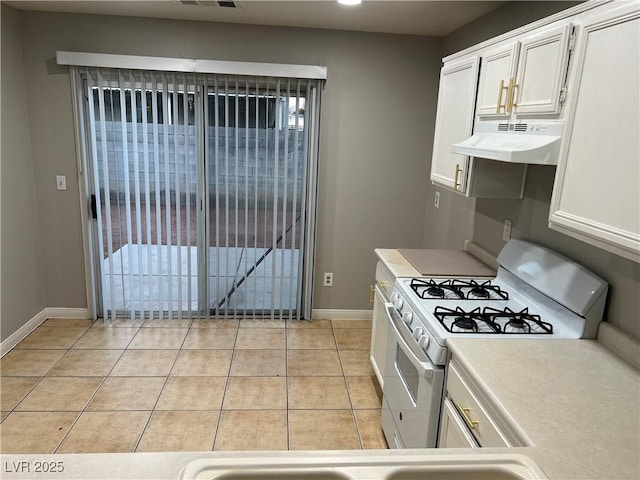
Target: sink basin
[
  {"x": 278, "y": 473},
  {"x": 470, "y": 466}
]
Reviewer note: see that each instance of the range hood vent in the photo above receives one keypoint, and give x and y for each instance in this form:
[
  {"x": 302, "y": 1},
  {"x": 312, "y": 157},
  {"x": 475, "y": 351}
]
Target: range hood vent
[{"x": 532, "y": 142}]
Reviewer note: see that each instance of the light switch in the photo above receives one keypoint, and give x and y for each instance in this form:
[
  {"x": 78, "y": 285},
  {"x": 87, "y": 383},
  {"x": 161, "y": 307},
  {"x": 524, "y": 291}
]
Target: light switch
[{"x": 61, "y": 182}]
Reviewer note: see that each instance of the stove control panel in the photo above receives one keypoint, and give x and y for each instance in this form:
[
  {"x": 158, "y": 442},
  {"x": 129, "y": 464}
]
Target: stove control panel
[{"x": 420, "y": 333}]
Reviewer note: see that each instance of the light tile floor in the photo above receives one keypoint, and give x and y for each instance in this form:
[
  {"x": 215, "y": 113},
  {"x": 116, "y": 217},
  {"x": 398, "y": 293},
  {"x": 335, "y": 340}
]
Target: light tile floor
[{"x": 73, "y": 386}]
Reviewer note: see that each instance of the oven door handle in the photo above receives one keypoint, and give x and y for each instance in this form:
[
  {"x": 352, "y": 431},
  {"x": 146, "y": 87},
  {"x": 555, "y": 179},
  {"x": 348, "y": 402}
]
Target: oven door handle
[{"x": 425, "y": 367}]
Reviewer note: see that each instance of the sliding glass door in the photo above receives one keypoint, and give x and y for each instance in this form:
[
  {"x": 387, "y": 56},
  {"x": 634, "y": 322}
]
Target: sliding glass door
[
  {"x": 255, "y": 171},
  {"x": 199, "y": 192}
]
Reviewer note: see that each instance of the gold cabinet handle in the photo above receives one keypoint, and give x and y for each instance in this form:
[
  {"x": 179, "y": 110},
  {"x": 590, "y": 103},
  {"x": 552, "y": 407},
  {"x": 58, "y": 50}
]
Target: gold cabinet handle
[
  {"x": 500, "y": 104},
  {"x": 456, "y": 182},
  {"x": 372, "y": 295},
  {"x": 511, "y": 94},
  {"x": 465, "y": 414},
  {"x": 383, "y": 284}
]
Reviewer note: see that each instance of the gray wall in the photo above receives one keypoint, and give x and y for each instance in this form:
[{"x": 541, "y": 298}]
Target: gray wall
[
  {"x": 530, "y": 215},
  {"x": 22, "y": 295},
  {"x": 377, "y": 127},
  {"x": 510, "y": 16}
]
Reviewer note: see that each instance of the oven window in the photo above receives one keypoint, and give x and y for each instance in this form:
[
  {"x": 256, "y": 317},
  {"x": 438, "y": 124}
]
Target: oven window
[{"x": 408, "y": 373}]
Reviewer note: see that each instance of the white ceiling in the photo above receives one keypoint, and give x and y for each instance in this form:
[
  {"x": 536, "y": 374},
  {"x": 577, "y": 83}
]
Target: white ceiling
[{"x": 414, "y": 17}]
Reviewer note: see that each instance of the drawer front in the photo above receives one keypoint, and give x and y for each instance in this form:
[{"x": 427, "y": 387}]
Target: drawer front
[
  {"x": 475, "y": 417},
  {"x": 384, "y": 280},
  {"x": 454, "y": 432}
]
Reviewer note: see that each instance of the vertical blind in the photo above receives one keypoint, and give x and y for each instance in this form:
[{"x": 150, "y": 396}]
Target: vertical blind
[{"x": 201, "y": 191}]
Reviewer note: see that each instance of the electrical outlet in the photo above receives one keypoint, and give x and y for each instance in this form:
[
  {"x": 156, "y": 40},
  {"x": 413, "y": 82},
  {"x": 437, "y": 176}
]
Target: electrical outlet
[
  {"x": 61, "y": 182},
  {"x": 436, "y": 200},
  {"x": 328, "y": 279},
  {"x": 506, "y": 233}
]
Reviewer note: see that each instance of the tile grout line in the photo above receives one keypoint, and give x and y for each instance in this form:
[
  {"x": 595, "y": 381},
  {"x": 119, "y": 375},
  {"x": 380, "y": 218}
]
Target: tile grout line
[
  {"x": 286, "y": 381},
  {"x": 153, "y": 409},
  {"x": 67, "y": 350},
  {"x": 181, "y": 349},
  {"x": 346, "y": 386},
  {"x": 104, "y": 379},
  {"x": 226, "y": 385}
]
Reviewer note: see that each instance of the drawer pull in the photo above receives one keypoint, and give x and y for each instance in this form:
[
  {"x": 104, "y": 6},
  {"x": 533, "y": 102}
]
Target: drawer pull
[
  {"x": 383, "y": 284},
  {"x": 472, "y": 424}
]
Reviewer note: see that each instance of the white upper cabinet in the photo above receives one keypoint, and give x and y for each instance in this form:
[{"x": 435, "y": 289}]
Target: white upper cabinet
[
  {"x": 596, "y": 194},
  {"x": 542, "y": 69},
  {"x": 525, "y": 77},
  {"x": 454, "y": 122},
  {"x": 497, "y": 72}
]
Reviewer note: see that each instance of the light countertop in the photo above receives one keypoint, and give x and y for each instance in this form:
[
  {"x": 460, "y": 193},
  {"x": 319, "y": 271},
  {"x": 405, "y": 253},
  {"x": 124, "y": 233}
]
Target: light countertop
[
  {"x": 578, "y": 403},
  {"x": 396, "y": 263},
  {"x": 474, "y": 261}
]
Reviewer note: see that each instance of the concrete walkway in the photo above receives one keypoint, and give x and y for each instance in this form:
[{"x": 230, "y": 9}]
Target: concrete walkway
[{"x": 162, "y": 277}]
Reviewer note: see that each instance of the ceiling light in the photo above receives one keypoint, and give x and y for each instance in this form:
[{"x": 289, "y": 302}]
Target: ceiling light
[{"x": 350, "y": 2}]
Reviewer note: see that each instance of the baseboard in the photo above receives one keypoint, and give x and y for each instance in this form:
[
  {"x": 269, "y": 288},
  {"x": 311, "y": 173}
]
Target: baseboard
[
  {"x": 332, "y": 314},
  {"x": 17, "y": 336},
  {"x": 49, "y": 312},
  {"x": 61, "y": 312}
]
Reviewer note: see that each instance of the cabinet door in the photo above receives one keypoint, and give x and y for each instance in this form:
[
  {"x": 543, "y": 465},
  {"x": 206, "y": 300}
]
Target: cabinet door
[
  {"x": 542, "y": 68},
  {"x": 379, "y": 333},
  {"x": 497, "y": 69},
  {"x": 596, "y": 194},
  {"x": 453, "y": 431},
  {"x": 454, "y": 122}
]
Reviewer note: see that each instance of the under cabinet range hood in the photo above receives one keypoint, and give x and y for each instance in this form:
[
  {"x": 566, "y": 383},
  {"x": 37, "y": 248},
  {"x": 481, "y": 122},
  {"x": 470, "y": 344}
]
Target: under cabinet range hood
[{"x": 535, "y": 142}]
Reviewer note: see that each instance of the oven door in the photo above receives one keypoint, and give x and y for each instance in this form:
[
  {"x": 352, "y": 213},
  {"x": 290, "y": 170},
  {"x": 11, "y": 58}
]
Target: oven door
[{"x": 412, "y": 389}]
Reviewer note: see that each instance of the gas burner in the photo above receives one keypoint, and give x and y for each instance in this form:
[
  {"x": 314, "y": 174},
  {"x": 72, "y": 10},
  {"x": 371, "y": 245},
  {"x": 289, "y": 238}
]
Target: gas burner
[
  {"x": 478, "y": 292},
  {"x": 473, "y": 290},
  {"x": 429, "y": 289},
  {"x": 518, "y": 322},
  {"x": 465, "y": 324},
  {"x": 459, "y": 321},
  {"x": 517, "y": 325},
  {"x": 435, "y": 291}
]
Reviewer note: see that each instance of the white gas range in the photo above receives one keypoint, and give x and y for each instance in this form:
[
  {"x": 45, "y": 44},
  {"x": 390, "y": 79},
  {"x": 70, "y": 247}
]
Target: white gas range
[{"x": 536, "y": 293}]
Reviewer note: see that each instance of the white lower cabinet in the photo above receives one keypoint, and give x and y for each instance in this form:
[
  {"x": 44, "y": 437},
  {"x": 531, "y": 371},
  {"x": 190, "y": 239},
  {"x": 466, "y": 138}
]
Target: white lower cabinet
[
  {"x": 453, "y": 431},
  {"x": 380, "y": 327},
  {"x": 466, "y": 421},
  {"x": 596, "y": 197}
]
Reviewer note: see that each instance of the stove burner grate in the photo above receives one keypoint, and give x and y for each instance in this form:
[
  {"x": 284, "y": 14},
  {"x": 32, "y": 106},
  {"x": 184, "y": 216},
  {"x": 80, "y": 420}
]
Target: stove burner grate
[
  {"x": 457, "y": 290},
  {"x": 491, "y": 320},
  {"x": 519, "y": 322},
  {"x": 459, "y": 321}
]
